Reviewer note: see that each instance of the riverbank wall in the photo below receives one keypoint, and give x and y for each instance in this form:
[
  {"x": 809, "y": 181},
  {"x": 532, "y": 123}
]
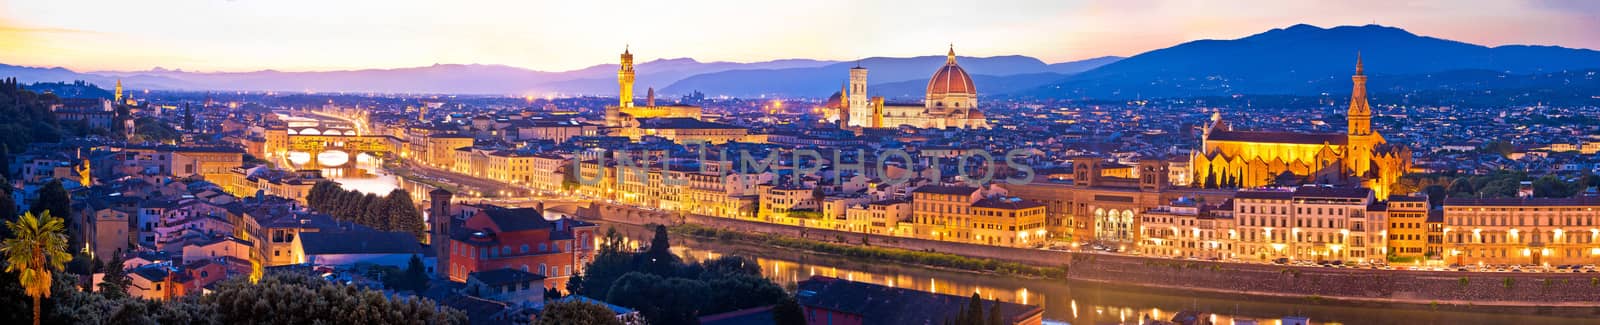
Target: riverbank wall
[{"x": 1572, "y": 292}]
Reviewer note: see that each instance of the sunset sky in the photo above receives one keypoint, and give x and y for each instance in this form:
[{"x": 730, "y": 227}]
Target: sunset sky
[{"x": 301, "y": 35}]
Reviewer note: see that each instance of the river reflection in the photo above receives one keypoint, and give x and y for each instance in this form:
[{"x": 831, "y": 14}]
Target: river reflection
[{"x": 1078, "y": 304}]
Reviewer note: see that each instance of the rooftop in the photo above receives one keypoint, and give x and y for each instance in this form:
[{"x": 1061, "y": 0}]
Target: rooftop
[{"x": 885, "y": 305}]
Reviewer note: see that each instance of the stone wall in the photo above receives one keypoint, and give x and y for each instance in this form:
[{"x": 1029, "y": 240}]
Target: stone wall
[
  {"x": 1532, "y": 289},
  {"x": 1361, "y": 285},
  {"x": 612, "y": 213}
]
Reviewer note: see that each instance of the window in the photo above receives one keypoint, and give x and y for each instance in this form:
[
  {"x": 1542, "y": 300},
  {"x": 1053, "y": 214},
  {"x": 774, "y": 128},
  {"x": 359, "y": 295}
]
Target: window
[
  {"x": 542, "y": 269},
  {"x": 524, "y": 248}
]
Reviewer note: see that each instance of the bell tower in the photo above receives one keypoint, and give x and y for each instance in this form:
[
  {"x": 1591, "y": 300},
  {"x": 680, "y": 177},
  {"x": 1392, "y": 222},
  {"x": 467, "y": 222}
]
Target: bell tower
[
  {"x": 1361, "y": 138},
  {"x": 625, "y": 80},
  {"x": 859, "y": 114},
  {"x": 439, "y": 220}
]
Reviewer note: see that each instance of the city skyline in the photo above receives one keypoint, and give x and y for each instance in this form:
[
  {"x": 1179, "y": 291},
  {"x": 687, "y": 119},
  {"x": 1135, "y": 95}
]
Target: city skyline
[{"x": 251, "y": 36}]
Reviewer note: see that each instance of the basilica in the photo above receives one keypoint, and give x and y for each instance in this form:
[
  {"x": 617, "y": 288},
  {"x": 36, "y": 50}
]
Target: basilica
[
  {"x": 951, "y": 102},
  {"x": 1360, "y": 156}
]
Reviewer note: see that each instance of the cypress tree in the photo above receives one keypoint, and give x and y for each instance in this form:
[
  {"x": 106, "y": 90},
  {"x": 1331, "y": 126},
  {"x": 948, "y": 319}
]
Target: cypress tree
[{"x": 974, "y": 310}]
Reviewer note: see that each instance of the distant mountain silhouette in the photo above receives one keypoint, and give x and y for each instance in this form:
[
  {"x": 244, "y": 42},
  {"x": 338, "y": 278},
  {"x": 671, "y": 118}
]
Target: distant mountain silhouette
[
  {"x": 903, "y": 77},
  {"x": 824, "y": 80},
  {"x": 1073, "y": 67},
  {"x": 1303, "y": 59},
  {"x": 450, "y": 78},
  {"x": 987, "y": 84}
]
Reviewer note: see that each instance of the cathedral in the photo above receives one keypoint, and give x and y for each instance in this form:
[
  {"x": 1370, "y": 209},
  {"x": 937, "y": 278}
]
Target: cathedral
[
  {"x": 1360, "y": 156},
  {"x": 951, "y": 102}
]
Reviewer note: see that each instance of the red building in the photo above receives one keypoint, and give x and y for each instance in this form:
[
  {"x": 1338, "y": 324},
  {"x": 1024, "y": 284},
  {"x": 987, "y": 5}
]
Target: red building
[{"x": 522, "y": 239}]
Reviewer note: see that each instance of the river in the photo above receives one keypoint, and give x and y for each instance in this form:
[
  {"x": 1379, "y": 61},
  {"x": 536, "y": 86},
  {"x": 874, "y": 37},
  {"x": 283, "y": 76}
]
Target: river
[{"x": 1069, "y": 303}]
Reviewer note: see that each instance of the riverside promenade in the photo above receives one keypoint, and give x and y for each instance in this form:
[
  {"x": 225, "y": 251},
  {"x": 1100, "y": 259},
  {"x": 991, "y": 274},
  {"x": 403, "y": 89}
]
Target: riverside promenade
[{"x": 1569, "y": 292}]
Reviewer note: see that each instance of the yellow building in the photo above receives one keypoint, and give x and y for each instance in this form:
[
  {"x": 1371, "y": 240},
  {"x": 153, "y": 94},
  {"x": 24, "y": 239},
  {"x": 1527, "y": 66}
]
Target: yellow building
[
  {"x": 951, "y": 101},
  {"x": 1533, "y": 231},
  {"x": 1310, "y": 223},
  {"x": 963, "y": 214},
  {"x": 1231, "y": 158},
  {"x": 1097, "y": 203},
  {"x": 1184, "y": 229},
  {"x": 549, "y": 171},
  {"x": 1408, "y": 227},
  {"x": 439, "y": 150},
  {"x": 879, "y": 217}
]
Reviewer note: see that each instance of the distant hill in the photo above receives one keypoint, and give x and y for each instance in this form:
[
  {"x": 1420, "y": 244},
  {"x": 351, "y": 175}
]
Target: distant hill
[
  {"x": 786, "y": 77},
  {"x": 1073, "y": 67},
  {"x": 918, "y": 88},
  {"x": 455, "y": 78},
  {"x": 824, "y": 80},
  {"x": 70, "y": 89},
  {"x": 1303, "y": 59}
]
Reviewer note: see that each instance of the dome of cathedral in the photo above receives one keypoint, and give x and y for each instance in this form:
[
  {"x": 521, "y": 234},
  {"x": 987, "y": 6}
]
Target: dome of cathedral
[
  {"x": 835, "y": 101},
  {"x": 950, "y": 79}
]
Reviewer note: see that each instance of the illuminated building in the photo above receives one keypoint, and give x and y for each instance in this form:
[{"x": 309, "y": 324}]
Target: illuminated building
[
  {"x": 1360, "y": 156},
  {"x": 963, "y": 214},
  {"x": 1522, "y": 230},
  {"x": 951, "y": 102},
  {"x": 1101, "y": 200},
  {"x": 1408, "y": 231},
  {"x": 522, "y": 239},
  {"x": 1310, "y": 223},
  {"x": 626, "y": 114},
  {"x": 879, "y": 217},
  {"x": 1185, "y": 229}
]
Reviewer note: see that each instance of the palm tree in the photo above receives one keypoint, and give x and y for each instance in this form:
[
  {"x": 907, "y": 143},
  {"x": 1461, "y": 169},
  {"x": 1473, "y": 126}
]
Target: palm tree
[{"x": 39, "y": 246}]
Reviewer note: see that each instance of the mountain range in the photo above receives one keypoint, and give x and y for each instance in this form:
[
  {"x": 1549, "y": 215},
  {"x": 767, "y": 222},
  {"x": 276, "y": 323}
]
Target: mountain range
[
  {"x": 1296, "y": 60},
  {"x": 1305, "y": 59}
]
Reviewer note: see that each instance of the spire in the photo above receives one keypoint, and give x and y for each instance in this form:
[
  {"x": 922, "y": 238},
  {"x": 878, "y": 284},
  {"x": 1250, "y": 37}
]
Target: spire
[
  {"x": 950, "y": 58},
  {"x": 1359, "y": 69},
  {"x": 625, "y": 47}
]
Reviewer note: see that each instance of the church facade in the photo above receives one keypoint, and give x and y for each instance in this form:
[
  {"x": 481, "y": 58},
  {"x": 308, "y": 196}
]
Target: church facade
[
  {"x": 951, "y": 102},
  {"x": 1360, "y": 156}
]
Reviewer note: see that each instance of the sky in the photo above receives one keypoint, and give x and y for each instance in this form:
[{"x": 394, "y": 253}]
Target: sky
[{"x": 557, "y": 35}]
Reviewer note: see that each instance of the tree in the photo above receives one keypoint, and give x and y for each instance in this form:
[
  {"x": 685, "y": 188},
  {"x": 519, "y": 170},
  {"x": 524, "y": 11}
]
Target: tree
[
  {"x": 8, "y": 207},
  {"x": 788, "y": 312},
  {"x": 54, "y": 198},
  {"x": 1436, "y": 194},
  {"x": 291, "y": 298},
  {"x": 974, "y": 310},
  {"x": 416, "y": 276},
  {"x": 1461, "y": 187},
  {"x": 39, "y": 248},
  {"x": 403, "y": 214},
  {"x": 659, "y": 259},
  {"x": 5, "y": 161},
  {"x": 576, "y": 312},
  {"x": 994, "y": 314},
  {"x": 114, "y": 284},
  {"x": 372, "y": 212}
]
